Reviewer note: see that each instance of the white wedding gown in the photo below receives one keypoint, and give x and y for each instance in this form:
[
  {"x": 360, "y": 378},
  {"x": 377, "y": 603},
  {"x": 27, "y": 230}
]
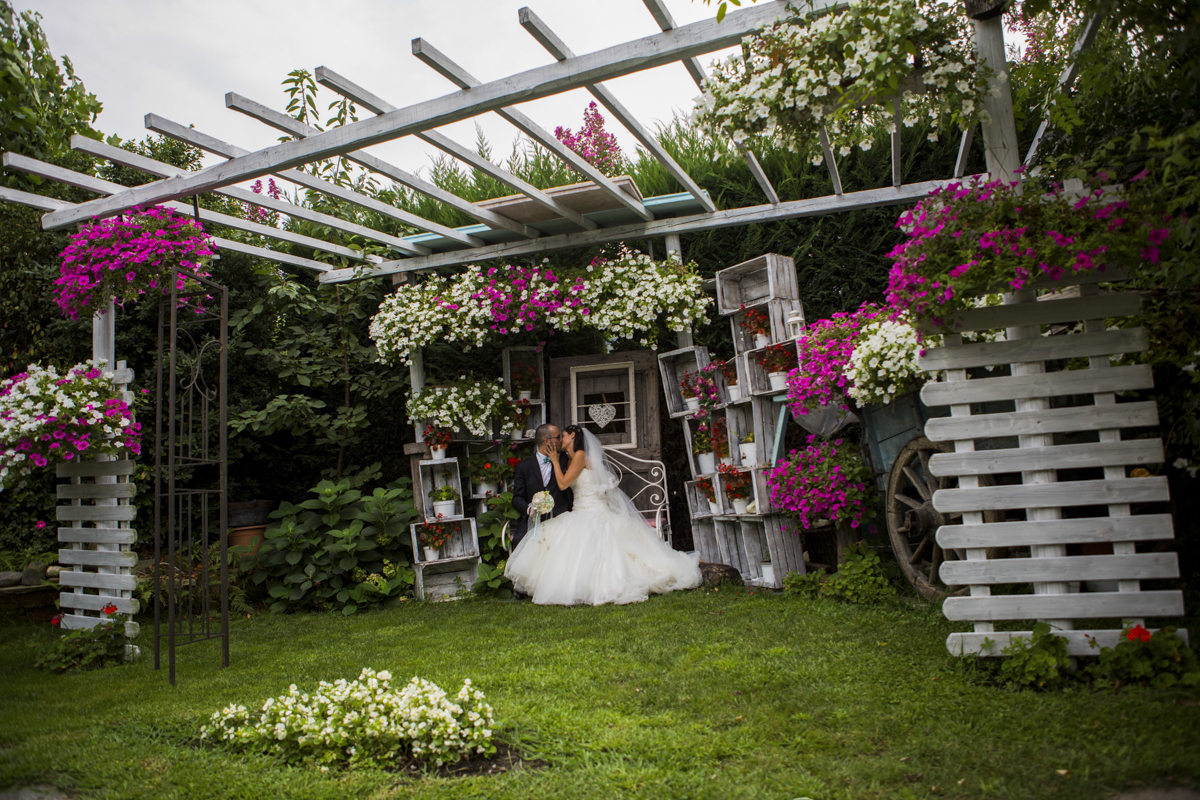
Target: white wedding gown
[{"x": 599, "y": 552}]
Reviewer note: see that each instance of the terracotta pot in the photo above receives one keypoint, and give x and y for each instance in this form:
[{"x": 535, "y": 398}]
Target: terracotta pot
[{"x": 248, "y": 535}]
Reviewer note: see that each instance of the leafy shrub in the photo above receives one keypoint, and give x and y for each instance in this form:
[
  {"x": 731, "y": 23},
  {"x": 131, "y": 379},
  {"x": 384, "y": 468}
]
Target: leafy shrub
[
  {"x": 360, "y": 723},
  {"x": 797, "y": 585},
  {"x": 1042, "y": 662},
  {"x": 91, "y": 648},
  {"x": 1160, "y": 660},
  {"x": 860, "y": 580}
]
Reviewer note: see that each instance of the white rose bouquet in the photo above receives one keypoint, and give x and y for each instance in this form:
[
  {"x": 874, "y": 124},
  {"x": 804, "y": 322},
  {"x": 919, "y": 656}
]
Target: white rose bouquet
[{"x": 541, "y": 503}]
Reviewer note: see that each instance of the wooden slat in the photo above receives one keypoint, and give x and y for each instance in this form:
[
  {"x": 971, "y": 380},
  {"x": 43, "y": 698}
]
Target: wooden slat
[
  {"x": 1131, "y": 452},
  {"x": 1065, "y": 606},
  {"x": 1076, "y": 345},
  {"x": 92, "y": 491},
  {"x": 98, "y": 558},
  {"x": 1109, "y": 275},
  {"x": 1036, "y": 422},
  {"x": 1050, "y": 495},
  {"x": 1143, "y": 528},
  {"x": 1139, "y": 566},
  {"x": 92, "y": 469},
  {"x": 1048, "y": 384},
  {"x": 95, "y": 602},
  {"x": 95, "y": 513},
  {"x": 1078, "y": 643},
  {"x": 98, "y": 535},
  {"x": 1104, "y": 306},
  {"x": 93, "y": 580}
]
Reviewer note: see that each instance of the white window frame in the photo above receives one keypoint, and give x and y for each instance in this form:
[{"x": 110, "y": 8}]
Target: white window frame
[{"x": 628, "y": 365}]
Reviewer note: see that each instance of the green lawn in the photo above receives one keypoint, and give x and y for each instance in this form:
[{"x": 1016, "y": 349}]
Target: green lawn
[{"x": 696, "y": 695}]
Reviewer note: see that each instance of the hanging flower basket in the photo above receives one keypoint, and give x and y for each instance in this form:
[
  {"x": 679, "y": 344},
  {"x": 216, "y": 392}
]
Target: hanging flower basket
[
  {"x": 461, "y": 405},
  {"x": 129, "y": 255}
]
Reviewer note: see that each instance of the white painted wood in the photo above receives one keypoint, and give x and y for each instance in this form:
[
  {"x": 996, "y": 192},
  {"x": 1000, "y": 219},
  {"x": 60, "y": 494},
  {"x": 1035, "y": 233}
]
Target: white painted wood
[
  {"x": 91, "y": 491},
  {"x": 98, "y": 535},
  {"x": 1132, "y": 452},
  {"x": 831, "y": 163},
  {"x": 93, "y": 580},
  {"x": 1079, "y": 345},
  {"x": 1047, "y": 384},
  {"x": 272, "y": 255},
  {"x": 1109, "y": 304},
  {"x": 964, "y": 152},
  {"x": 1050, "y": 495},
  {"x": 31, "y": 200},
  {"x": 92, "y": 469},
  {"x": 96, "y": 558},
  {"x": 999, "y": 126},
  {"x": 1065, "y": 606},
  {"x": 1140, "y": 566},
  {"x": 680, "y": 43},
  {"x": 95, "y": 513},
  {"x": 1056, "y": 420},
  {"x": 1142, "y": 528},
  {"x": 1107, "y": 275},
  {"x": 1078, "y": 642},
  {"x": 897, "y": 154},
  {"x": 94, "y": 602}
]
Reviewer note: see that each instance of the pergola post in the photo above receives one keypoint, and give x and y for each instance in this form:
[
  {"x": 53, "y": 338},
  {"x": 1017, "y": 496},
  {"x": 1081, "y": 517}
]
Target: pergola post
[{"x": 1000, "y": 133}]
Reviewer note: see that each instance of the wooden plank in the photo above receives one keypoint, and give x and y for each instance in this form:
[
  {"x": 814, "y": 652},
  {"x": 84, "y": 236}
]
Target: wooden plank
[
  {"x": 1140, "y": 566},
  {"x": 1047, "y": 384},
  {"x": 32, "y": 200},
  {"x": 98, "y": 535},
  {"x": 1131, "y": 452},
  {"x": 92, "y": 491},
  {"x": 95, "y": 513},
  {"x": 1103, "y": 306},
  {"x": 92, "y": 469},
  {"x": 1142, "y": 528},
  {"x": 95, "y": 580},
  {"x": 1065, "y": 606},
  {"x": 1045, "y": 348},
  {"x": 1036, "y": 422},
  {"x": 1049, "y": 495},
  {"x": 95, "y": 602},
  {"x": 98, "y": 558},
  {"x": 1078, "y": 641}
]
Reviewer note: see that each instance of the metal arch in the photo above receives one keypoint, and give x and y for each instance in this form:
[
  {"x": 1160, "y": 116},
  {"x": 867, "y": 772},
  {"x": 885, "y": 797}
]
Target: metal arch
[{"x": 651, "y": 487}]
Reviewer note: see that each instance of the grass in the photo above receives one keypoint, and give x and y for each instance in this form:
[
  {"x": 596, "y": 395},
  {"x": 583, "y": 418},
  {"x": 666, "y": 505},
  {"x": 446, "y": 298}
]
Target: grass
[{"x": 691, "y": 695}]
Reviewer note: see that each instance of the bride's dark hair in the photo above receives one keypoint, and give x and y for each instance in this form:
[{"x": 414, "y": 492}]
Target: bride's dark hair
[{"x": 577, "y": 443}]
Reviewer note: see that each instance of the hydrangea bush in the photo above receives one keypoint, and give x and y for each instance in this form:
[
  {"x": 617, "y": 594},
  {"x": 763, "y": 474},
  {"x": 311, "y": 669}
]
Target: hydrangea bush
[
  {"x": 128, "y": 255},
  {"x": 834, "y": 71},
  {"x": 47, "y": 418},
  {"x": 461, "y": 405},
  {"x": 824, "y": 480},
  {"x": 363, "y": 722}
]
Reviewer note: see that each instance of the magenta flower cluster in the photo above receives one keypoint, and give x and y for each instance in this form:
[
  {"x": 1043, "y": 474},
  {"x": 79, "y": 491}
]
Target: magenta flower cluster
[
  {"x": 128, "y": 255},
  {"x": 824, "y": 480},
  {"x": 823, "y": 353},
  {"x": 521, "y": 298},
  {"x": 595, "y": 145},
  {"x": 263, "y": 216},
  {"x": 703, "y": 386}
]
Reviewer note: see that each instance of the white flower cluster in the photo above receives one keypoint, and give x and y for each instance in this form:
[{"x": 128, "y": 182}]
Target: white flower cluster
[
  {"x": 363, "y": 721},
  {"x": 884, "y": 362},
  {"x": 462, "y": 405},
  {"x": 411, "y": 318},
  {"x": 835, "y": 71}
]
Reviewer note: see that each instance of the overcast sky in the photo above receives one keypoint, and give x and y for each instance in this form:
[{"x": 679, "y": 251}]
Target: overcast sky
[{"x": 178, "y": 59}]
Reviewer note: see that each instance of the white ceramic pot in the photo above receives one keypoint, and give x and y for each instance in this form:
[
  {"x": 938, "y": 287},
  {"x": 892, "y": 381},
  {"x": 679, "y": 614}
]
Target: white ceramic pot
[
  {"x": 486, "y": 488},
  {"x": 432, "y": 554},
  {"x": 727, "y": 461},
  {"x": 768, "y": 573},
  {"x": 444, "y": 507},
  {"x": 761, "y": 341},
  {"x": 739, "y": 505},
  {"x": 713, "y": 508},
  {"x": 438, "y": 453},
  {"x": 692, "y": 403},
  {"x": 778, "y": 381},
  {"x": 706, "y": 463},
  {"x": 525, "y": 394},
  {"x": 749, "y": 454},
  {"x": 735, "y": 392}
]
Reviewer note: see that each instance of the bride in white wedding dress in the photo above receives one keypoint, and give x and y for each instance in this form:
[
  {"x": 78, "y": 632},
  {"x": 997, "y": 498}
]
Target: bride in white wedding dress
[{"x": 602, "y": 550}]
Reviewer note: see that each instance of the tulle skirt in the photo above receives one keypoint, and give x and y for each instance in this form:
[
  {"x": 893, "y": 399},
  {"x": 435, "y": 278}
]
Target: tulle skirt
[{"x": 598, "y": 555}]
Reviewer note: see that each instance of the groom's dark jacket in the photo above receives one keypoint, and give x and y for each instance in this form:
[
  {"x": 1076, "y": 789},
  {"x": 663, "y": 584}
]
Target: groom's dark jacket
[{"x": 527, "y": 481}]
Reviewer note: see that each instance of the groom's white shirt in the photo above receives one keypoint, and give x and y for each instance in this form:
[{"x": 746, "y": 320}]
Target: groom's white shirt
[{"x": 544, "y": 465}]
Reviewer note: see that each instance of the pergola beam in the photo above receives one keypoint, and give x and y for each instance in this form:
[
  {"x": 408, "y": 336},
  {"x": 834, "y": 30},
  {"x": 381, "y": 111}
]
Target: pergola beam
[
  {"x": 453, "y": 72},
  {"x": 810, "y": 207},
  {"x": 347, "y": 88},
  {"x": 557, "y": 48}
]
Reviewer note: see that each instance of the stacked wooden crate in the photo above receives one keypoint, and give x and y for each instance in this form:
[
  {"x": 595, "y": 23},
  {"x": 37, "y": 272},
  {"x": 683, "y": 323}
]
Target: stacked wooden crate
[{"x": 766, "y": 284}]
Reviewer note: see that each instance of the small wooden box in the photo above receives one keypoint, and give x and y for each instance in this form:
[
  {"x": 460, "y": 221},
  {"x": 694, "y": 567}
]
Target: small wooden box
[
  {"x": 719, "y": 481},
  {"x": 760, "y": 384},
  {"x": 697, "y": 505},
  {"x": 672, "y": 366},
  {"x": 739, "y": 421},
  {"x": 754, "y": 282},
  {"x": 777, "y": 312},
  {"x": 743, "y": 373},
  {"x": 457, "y": 567},
  {"x": 440, "y": 473},
  {"x": 514, "y": 358},
  {"x": 689, "y": 436}
]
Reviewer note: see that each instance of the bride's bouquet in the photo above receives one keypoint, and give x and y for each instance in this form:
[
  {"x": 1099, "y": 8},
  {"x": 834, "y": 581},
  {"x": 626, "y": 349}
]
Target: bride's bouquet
[{"x": 541, "y": 503}]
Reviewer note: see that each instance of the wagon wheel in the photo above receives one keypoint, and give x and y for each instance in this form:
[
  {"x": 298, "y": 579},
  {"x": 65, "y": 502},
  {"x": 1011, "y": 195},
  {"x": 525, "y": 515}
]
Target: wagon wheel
[{"x": 912, "y": 521}]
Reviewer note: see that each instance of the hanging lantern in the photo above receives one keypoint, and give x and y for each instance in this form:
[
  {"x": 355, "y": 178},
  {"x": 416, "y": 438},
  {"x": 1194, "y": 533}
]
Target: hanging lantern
[{"x": 795, "y": 324}]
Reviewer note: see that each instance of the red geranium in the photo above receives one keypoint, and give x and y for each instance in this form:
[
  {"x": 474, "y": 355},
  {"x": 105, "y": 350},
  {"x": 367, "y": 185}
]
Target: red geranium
[{"x": 1138, "y": 632}]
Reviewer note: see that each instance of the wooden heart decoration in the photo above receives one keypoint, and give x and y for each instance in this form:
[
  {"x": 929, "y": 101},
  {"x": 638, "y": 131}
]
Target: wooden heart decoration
[{"x": 602, "y": 414}]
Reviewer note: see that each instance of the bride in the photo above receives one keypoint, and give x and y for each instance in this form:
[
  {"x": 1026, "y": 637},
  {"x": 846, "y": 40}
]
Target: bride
[{"x": 602, "y": 550}]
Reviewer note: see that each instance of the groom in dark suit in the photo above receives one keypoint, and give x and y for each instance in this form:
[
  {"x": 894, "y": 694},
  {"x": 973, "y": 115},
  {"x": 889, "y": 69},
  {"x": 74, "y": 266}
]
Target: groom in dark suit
[{"x": 536, "y": 474}]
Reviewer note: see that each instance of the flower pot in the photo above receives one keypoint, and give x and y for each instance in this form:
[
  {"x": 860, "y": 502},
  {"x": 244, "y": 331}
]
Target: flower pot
[
  {"x": 247, "y": 535},
  {"x": 432, "y": 554},
  {"x": 749, "y": 454},
  {"x": 692, "y": 403},
  {"x": 768, "y": 573},
  {"x": 525, "y": 394},
  {"x": 487, "y": 488},
  {"x": 778, "y": 381},
  {"x": 713, "y": 508},
  {"x": 727, "y": 460},
  {"x": 735, "y": 392},
  {"x": 705, "y": 463},
  {"x": 761, "y": 341},
  {"x": 739, "y": 505},
  {"x": 438, "y": 453},
  {"x": 444, "y": 508},
  {"x": 254, "y": 512}
]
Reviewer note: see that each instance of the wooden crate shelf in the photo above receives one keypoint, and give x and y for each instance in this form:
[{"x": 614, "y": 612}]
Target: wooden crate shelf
[
  {"x": 760, "y": 384},
  {"x": 696, "y": 509},
  {"x": 739, "y": 361},
  {"x": 777, "y": 312},
  {"x": 457, "y": 567},
  {"x": 517, "y": 358},
  {"x": 689, "y": 436},
  {"x": 672, "y": 366},
  {"x": 754, "y": 282},
  {"x": 704, "y": 537},
  {"x": 440, "y": 473}
]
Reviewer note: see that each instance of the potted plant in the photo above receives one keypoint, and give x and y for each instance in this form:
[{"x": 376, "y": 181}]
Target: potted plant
[
  {"x": 488, "y": 471},
  {"x": 720, "y": 440},
  {"x": 705, "y": 487},
  {"x": 444, "y": 500},
  {"x": 737, "y": 487},
  {"x": 525, "y": 382},
  {"x": 777, "y": 360},
  {"x": 690, "y": 392},
  {"x": 463, "y": 405},
  {"x": 756, "y": 324},
  {"x": 747, "y": 450},
  {"x": 433, "y": 537},
  {"x": 437, "y": 440},
  {"x": 730, "y": 371},
  {"x": 702, "y": 449},
  {"x": 827, "y": 479}
]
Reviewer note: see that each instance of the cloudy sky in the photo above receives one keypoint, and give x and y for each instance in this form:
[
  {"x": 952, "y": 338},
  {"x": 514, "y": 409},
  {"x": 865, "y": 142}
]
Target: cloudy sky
[{"x": 178, "y": 59}]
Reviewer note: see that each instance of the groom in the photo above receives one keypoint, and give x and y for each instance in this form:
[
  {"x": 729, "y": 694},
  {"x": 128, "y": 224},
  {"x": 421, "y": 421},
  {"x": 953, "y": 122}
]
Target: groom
[{"x": 536, "y": 474}]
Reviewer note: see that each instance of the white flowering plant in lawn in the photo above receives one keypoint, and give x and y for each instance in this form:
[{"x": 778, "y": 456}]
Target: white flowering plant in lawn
[
  {"x": 464, "y": 404},
  {"x": 839, "y": 71},
  {"x": 364, "y": 722},
  {"x": 47, "y": 418}
]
